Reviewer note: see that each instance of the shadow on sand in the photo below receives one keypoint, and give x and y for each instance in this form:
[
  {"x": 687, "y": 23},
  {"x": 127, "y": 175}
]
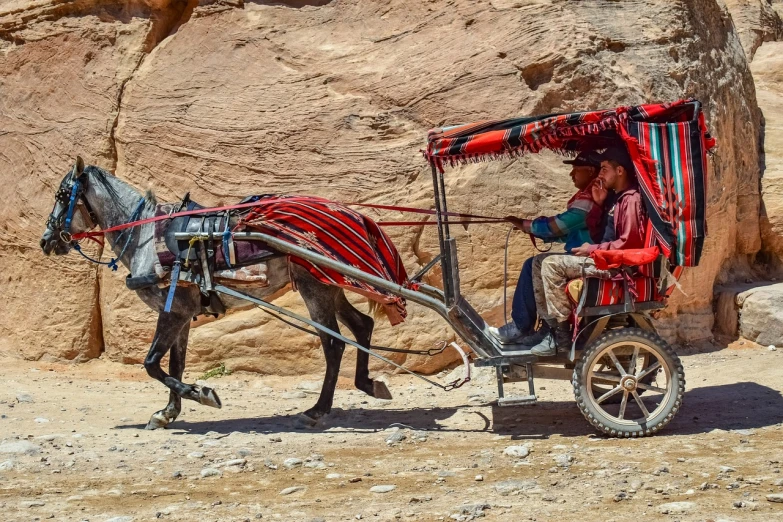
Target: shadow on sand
[{"x": 742, "y": 405}]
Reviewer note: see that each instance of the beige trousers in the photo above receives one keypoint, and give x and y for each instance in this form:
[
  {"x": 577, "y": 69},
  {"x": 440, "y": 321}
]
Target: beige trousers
[{"x": 551, "y": 273}]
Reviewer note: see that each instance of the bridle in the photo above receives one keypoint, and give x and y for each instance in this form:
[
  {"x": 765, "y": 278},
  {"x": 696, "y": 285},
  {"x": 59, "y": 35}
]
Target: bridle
[{"x": 73, "y": 196}]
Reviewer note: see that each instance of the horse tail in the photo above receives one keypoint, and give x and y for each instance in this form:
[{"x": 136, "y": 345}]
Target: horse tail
[{"x": 377, "y": 310}]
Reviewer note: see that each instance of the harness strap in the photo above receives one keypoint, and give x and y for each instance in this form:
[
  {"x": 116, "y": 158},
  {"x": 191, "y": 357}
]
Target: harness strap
[
  {"x": 112, "y": 263},
  {"x": 195, "y": 212},
  {"x": 228, "y": 255},
  {"x": 422, "y": 211},
  {"x": 535, "y": 244},
  {"x": 172, "y": 286},
  {"x": 71, "y": 206}
]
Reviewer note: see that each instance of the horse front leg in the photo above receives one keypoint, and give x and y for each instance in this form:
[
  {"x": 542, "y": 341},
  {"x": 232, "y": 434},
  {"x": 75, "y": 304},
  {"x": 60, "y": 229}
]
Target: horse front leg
[
  {"x": 171, "y": 334},
  {"x": 172, "y": 410}
]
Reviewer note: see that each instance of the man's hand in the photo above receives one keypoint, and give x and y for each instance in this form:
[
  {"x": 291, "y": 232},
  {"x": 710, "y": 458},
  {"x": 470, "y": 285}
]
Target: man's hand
[
  {"x": 599, "y": 191},
  {"x": 518, "y": 223},
  {"x": 582, "y": 251}
]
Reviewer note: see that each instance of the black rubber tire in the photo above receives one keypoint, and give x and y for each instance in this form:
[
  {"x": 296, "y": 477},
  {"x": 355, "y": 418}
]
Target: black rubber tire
[{"x": 600, "y": 419}]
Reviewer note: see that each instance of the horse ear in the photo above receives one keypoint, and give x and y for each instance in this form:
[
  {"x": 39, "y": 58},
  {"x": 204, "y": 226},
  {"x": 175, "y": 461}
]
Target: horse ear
[{"x": 79, "y": 166}]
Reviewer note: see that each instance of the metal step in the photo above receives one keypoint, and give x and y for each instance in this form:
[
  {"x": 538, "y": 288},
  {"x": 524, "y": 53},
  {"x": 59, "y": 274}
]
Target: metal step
[
  {"x": 517, "y": 400},
  {"x": 515, "y": 350}
]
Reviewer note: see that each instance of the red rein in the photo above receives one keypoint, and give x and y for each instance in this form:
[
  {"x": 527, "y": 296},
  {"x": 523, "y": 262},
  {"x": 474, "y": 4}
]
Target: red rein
[{"x": 468, "y": 218}]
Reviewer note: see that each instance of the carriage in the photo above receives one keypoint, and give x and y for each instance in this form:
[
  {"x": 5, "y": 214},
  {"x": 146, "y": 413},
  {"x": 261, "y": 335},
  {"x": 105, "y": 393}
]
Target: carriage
[{"x": 628, "y": 382}]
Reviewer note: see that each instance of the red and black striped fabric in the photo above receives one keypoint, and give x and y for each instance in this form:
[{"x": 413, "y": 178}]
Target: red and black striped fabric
[
  {"x": 337, "y": 232},
  {"x": 671, "y": 164},
  {"x": 609, "y": 292},
  {"x": 602, "y": 292},
  {"x": 667, "y": 142}
]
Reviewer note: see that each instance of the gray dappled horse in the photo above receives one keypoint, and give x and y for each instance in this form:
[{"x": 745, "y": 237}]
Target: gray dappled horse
[{"x": 108, "y": 201}]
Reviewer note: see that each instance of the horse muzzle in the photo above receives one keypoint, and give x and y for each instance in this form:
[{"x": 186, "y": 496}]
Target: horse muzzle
[{"x": 51, "y": 244}]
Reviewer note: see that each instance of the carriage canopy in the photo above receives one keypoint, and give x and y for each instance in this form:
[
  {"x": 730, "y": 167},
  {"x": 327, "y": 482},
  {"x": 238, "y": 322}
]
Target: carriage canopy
[{"x": 667, "y": 142}]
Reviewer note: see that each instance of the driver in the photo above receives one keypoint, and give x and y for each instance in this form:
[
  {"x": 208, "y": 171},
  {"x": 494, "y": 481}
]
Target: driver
[{"x": 579, "y": 224}]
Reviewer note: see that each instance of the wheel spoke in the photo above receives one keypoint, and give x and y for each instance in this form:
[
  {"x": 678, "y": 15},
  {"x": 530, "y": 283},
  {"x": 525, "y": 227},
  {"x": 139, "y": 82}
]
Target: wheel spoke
[
  {"x": 608, "y": 394},
  {"x": 606, "y": 377},
  {"x": 647, "y": 371},
  {"x": 641, "y": 404},
  {"x": 643, "y": 386},
  {"x": 617, "y": 363},
  {"x": 623, "y": 405},
  {"x": 632, "y": 366}
]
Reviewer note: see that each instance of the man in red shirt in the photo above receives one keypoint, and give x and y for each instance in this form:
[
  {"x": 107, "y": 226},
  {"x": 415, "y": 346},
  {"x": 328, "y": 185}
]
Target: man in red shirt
[{"x": 551, "y": 274}]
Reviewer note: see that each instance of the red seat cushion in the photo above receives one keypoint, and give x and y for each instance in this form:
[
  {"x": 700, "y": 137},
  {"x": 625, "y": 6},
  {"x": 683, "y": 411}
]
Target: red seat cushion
[{"x": 606, "y": 259}]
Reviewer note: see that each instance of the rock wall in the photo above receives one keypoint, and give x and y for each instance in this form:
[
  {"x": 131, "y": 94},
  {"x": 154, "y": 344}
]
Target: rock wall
[
  {"x": 767, "y": 69},
  {"x": 225, "y": 99},
  {"x": 62, "y": 71},
  {"x": 756, "y": 22},
  {"x": 760, "y": 26}
]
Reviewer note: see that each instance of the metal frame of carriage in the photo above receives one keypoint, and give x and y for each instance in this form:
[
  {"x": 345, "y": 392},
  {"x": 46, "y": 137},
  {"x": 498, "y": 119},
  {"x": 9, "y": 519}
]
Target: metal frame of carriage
[{"x": 617, "y": 352}]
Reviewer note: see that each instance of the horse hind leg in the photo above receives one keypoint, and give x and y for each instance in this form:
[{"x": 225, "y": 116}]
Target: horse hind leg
[
  {"x": 319, "y": 299},
  {"x": 361, "y": 326}
]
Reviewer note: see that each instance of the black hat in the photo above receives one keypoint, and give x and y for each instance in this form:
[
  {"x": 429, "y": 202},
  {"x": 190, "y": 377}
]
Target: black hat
[
  {"x": 620, "y": 155},
  {"x": 585, "y": 159}
]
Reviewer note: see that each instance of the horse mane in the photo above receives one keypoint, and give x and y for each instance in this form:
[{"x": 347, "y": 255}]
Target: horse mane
[{"x": 102, "y": 177}]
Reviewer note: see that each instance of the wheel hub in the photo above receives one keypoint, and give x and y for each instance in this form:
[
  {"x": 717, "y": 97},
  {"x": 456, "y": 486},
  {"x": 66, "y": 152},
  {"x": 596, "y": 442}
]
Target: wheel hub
[{"x": 629, "y": 383}]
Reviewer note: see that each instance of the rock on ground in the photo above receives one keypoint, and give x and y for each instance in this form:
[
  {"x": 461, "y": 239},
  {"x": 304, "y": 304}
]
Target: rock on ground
[
  {"x": 21, "y": 447},
  {"x": 761, "y": 314},
  {"x": 677, "y": 508}
]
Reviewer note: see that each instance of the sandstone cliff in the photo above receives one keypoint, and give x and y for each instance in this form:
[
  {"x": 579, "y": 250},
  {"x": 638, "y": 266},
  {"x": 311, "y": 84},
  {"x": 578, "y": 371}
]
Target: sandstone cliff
[{"x": 229, "y": 98}]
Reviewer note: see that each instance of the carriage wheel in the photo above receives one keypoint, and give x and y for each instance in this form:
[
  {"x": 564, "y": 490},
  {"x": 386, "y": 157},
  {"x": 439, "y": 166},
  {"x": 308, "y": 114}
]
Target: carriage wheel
[
  {"x": 606, "y": 365},
  {"x": 634, "y": 415}
]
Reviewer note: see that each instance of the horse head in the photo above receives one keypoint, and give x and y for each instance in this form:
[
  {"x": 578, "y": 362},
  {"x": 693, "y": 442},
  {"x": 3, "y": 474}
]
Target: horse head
[{"x": 70, "y": 214}]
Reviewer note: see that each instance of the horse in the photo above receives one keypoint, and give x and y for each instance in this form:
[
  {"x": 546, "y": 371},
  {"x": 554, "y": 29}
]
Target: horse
[{"x": 103, "y": 200}]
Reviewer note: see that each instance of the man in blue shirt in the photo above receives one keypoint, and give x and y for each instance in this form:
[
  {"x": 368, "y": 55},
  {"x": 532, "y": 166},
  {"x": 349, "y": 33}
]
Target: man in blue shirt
[{"x": 579, "y": 224}]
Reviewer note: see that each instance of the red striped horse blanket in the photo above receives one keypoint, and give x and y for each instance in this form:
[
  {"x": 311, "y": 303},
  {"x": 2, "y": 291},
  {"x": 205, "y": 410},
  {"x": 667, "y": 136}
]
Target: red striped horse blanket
[{"x": 339, "y": 233}]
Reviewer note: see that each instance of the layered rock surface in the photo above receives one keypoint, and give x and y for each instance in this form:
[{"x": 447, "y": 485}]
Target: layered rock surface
[
  {"x": 334, "y": 99},
  {"x": 62, "y": 70},
  {"x": 756, "y": 21},
  {"x": 767, "y": 69}
]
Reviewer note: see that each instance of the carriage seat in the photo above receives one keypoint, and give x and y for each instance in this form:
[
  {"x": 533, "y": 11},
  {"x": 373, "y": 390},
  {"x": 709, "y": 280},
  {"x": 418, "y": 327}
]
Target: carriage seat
[{"x": 645, "y": 281}]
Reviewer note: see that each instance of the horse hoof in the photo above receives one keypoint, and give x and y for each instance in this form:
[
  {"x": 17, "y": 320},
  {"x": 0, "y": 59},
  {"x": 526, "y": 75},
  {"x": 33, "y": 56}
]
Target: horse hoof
[
  {"x": 381, "y": 391},
  {"x": 304, "y": 421},
  {"x": 158, "y": 420},
  {"x": 208, "y": 397}
]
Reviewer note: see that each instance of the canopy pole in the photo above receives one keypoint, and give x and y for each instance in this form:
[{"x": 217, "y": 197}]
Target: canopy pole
[
  {"x": 452, "y": 294},
  {"x": 445, "y": 258}
]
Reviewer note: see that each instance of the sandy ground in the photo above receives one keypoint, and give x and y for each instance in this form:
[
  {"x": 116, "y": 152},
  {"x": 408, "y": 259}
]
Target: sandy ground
[{"x": 73, "y": 447}]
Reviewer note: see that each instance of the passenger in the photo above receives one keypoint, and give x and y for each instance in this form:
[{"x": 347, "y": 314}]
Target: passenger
[
  {"x": 579, "y": 224},
  {"x": 551, "y": 274}
]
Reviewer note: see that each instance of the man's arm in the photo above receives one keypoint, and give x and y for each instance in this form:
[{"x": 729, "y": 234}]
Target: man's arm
[{"x": 558, "y": 226}]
